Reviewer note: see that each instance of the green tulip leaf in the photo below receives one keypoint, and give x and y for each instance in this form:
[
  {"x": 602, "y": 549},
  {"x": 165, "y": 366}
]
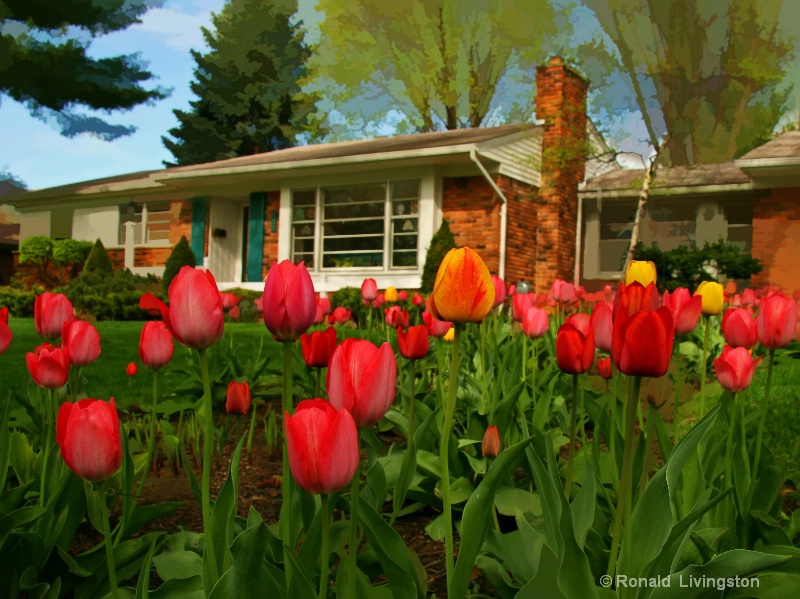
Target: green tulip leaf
[
  {"x": 248, "y": 569},
  {"x": 143, "y": 584}
]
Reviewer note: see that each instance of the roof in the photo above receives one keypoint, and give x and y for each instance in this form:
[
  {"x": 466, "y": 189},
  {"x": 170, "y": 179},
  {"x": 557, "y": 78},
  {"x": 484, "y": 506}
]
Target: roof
[
  {"x": 685, "y": 178},
  {"x": 784, "y": 145},
  {"x": 83, "y": 187}
]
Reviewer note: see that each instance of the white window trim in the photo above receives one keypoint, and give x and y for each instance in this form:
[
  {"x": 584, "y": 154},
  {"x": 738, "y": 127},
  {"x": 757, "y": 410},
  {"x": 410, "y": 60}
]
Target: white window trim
[{"x": 163, "y": 243}]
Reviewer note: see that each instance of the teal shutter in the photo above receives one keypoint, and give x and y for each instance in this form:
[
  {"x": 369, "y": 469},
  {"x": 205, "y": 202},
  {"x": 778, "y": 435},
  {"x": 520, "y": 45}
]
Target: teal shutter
[
  {"x": 255, "y": 236},
  {"x": 198, "y": 241}
]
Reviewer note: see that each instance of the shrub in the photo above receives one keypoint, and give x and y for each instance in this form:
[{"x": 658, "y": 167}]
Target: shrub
[
  {"x": 442, "y": 242},
  {"x": 43, "y": 253},
  {"x": 98, "y": 260},
  {"x": 19, "y": 300},
  {"x": 350, "y": 298},
  {"x": 182, "y": 255},
  {"x": 113, "y": 296}
]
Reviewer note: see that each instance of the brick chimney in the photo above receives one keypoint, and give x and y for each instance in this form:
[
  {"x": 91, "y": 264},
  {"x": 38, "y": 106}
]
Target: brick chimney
[{"x": 561, "y": 103}]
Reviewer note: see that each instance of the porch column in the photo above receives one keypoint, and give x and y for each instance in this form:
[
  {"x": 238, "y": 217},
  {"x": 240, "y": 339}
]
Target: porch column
[{"x": 255, "y": 236}]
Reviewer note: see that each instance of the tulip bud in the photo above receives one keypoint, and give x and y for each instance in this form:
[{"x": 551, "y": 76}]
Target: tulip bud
[
  {"x": 520, "y": 304},
  {"x": 132, "y": 369},
  {"x": 5, "y": 336},
  {"x": 88, "y": 434},
  {"x": 82, "y": 342},
  {"x": 341, "y": 315},
  {"x": 229, "y": 301},
  {"x": 414, "y": 343},
  {"x": 735, "y": 368},
  {"x": 535, "y": 323},
  {"x": 289, "y": 301},
  {"x": 369, "y": 290},
  {"x": 739, "y": 328},
  {"x": 713, "y": 297},
  {"x": 604, "y": 367},
  {"x": 51, "y": 311},
  {"x": 391, "y": 295},
  {"x": 642, "y": 271},
  {"x": 463, "y": 290},
  {"x": 491, "y": 445},
  {"x": 776, "y": 322},
  {"x": 49, "y": 366},
  {"x": 318, "y": 347},
  {"x": 402, "y": 296},
  {"x": 575, "y": 345},
  {"x": 602, "y": 325},
  {"x": 237, "y": 400},
  {"x": 155, "y": 345},
  {"x": 417, "y": 300},
  {"x": 641, "y": 344},
  {"x": 324, "y": 304},
  {"x": 499, "y": 290}
]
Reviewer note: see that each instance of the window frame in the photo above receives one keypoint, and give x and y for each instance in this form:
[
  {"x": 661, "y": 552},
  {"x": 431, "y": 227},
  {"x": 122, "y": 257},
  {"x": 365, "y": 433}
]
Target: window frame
[{"x": 143, "y": 240}]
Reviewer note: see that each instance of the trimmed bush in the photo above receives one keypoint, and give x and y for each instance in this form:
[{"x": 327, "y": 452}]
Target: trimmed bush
[
  {"x": 442, "y": 242},
  {"x": 98, "y": 260},
  {"x": 113, "y": 296},
  {"x": 182, "y": 255},
  {"x": 19, "y": 300}
]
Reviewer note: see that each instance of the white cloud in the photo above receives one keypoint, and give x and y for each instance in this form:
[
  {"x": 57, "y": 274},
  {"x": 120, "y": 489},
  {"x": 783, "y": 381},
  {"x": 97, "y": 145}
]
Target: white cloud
[{"x": 178, "y": 29}]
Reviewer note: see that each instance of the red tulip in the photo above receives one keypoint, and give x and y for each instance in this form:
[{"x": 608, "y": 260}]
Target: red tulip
[
  {"x": 520, "y": 304},
  {"x": 491, "y": 446},
  {"x": 155, "y": 345},
  {"x": 361, "y": 378},
  {"x": 229, "y": 301},
  {"x": 289, "y": 301},
  {"x": 396, "y": 317},
  {"x": 324, "y": 304},
  {"x": 641, "y": 344},
  {"x": 318, "y": 347},
  {"x": 417, "y": 300},
  {"x": 402, "y": 296},
  {"x": 194, "y": 316},
  {"x": 235, "y": 313},
  {"x": 776, "y": 322},
  {"x": 739, "y": 328},
  {"x": 535, "y": 323},
  {"x": 748, "y": 297},
  {"x": 88, "y": 434},
  {"x": 379, "y": 301},
  {"x": 82, "y": 342},
  {"x": 51, "y": 311},
  {"x": 414, "y": 343},
  {"x": 575, "y": 345},
  {"x": 602, "y": 325},
  {"x": 604, "y": 366},
  {"x": 735, "y": 368},
  {"x": 319, "y": 316},
  {"x": 369, "y": 290},
  {"x": 341, "y": 315},
  {"x": 259, "y": 303},
  {"x": 684, "y": 308},
  {"x": 4, "y": 315},
  {"x": 437, "y": 328},
  {"x": 237, "y": 400},
  {"x": 512, "y": 290},
  {"x": 736, "y": 300},
  {"x": 636, "y": 298},
  {"x": 49, "y": 366},
  {"x": 5, "y": 337},
  {"x": 131, "y": 369},
  {"x": 322, "y": 443},
  {"x": 499, "y": 290}
]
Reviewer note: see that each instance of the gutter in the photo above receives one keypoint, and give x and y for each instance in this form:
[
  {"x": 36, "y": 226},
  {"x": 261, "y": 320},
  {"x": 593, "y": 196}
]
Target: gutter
[
  {"x": 473, "y": 155},
  {"x": 751, "y": 163},
  {"x": 576, "y": 277}
]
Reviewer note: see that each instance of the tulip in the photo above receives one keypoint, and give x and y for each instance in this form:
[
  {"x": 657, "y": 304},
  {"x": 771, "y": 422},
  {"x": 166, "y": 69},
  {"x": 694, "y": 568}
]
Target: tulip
[
  {"x": 535, "y": 323},
  {"x": 520, "y": 303},
  {"x": 323, "y": 446},
  {"x": 748, "y": 297},
  {"x": 369, "y": 290},
  {"x": 51, "y": 311},
  {"x": 735, "y": 368},
  {"x": 259, "y": 303},
  {"x": 635, "y": 298},
  {"x": 437, "y": 328},
  {"x": 155, "y": 345},
  {"x": 5, "y": 336},
  {"x": 642, "y": 271},
  {"x": 361, "y": 378},
  {"x": 396, "y": 317},
  {"x": 641, "y": 344},
  {"x": 685, "y": 309},
  {"x": 402, "y": 296},
  {"x": 318, "y": 347},
  {"x": 575, "y": 345},
  {"x": 194, "y": 316},
  {"x": 319, "y": 316},
  {"x": 739, "y": 328},
  {"x": 229, "y": 301},
  {"x": 713, "y": 297},
  {"x": 417, "y": 300},
  {"x": 604, "y": 366},
  {"x": 132, "y": 369},
  {"x": 607, "y": 290},
  {"x": 602, "y": 325},
  {"x": 379, "y": 301},
  {"x": 235, "y": 313},
  {"x": 49, "y": 366},
  {"x": 4, "y": 315},
  {"x": 736, "y": 300},
  {"x": 491, "y": 446},
  {"x": 390, "y": 295},
  {"x": 499, "y": 290},
  {"x": 463, "y": 290},
  {"x": 776, "y": 322},
  {"x": 237, "y": 400},
  {"x": 88, "y": 434},
  {"x": 324, "y": 304},
  {"x": 512, "y": 290},
  {"x": 414, "y": 343},
  {"x": 82, "y": 342},
  {"x": 450, "y": 335},
  {"x": 562, "y": 291},
  {"x": 289, "y": 301},
  {"x": 341, "y": 315}
]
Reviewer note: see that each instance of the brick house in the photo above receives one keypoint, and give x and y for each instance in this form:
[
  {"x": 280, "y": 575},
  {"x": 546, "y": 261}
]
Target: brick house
[
  {"x": 753, "y": 201},
  {"x": 352, "y": 209}
]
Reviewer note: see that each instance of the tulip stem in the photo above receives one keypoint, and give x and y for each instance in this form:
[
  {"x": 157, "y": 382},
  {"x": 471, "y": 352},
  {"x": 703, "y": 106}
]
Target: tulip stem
[
  {"x": 677, "y": 403},
  {"x": 624, "y": 495},
  {"x": 151, "y": 445},
  {"x": 353, "y": 557},
  {"x": 208, "y": 449},
  {"x": 50, "y": 425},
  {"x": 112, "y": 571},
  {"x": 318, "y": 386},
  {"x": 763, "y": 419},
  {"x": 728, "y": 480},
  {"x": 524, "y": 358},
  {"x": 572, "y": 428},
  {"x": 704, "y": 366},
  {"x": 286, "y": 478},
  {"x": 251, "y": 432},
  {"x": 412, "y": 392},
  {"x": 323, "y": 558},
  {"x": 449, "y": 410},
  {"x": 612, "y": 442}
]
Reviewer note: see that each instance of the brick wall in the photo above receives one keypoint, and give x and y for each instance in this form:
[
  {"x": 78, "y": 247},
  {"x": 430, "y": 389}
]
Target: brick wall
[
  {"x": 521, "y": 229},
  {"x": 273, "y": 204},
  {"x": 776, "y": 238}
]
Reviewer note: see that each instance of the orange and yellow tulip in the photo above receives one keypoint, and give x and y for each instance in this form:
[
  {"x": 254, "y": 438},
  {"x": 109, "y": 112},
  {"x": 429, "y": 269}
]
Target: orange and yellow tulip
[{"x": 463, "y": 290}]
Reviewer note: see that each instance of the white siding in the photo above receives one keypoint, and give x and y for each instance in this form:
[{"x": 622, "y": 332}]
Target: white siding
[
  {"x": 90, "y": 224},
  {"x": 34, "y": 223},
  {"x": 519, "y": 159}
]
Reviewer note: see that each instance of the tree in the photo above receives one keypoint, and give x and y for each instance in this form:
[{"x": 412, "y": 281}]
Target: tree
[
  {"x": 441, "y": 243},
  {"x": 98, "y": 260},
  {"x": 438, "y": 62},
  {"x": 709, "y": 73},
  {"x": 181, "y": 255},
  {"x": 248, "y": 98},
  {"x": 45, "y": 62}
]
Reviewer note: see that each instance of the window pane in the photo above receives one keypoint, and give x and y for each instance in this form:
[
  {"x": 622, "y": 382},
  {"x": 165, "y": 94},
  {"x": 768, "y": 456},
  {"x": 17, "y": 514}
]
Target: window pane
[
  {"x": 405, "y": 207},
  {"x": 304, "y": 197},
  {"x": 739, "y": 213},
  {"x": 159, "y": 207},
  {"x": 307, "y": 258},
  {"x": 346, "y": 244},
  {"x": 354, "y": 210},
  {"x": 405, "y": 242},
  {"x": 303, "y": 246},
  {"x": 404, "y": 259},
  {"x": 369, "y": 259},
  {"x": 304, "y": 205},
  {"x": 613, "y": 254},
  {"x": 303, "y": 230},
  {"x": 404, "y": 225},
  {"x": 616, "y": 220},
  {"x": 355, "y": 227},
  {"x": 405, "y": 189},
  {"x": 671, "y": 223}
]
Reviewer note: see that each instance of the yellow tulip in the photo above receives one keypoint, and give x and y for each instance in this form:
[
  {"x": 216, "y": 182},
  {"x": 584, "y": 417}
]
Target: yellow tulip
[
  {"x": 390, "y": 295},
  {"x": 713, "y": 297},
  {"x": 463, "y": 290},
  {"x": 450, "y": 334},
  {"x": 642, "y": 271}
]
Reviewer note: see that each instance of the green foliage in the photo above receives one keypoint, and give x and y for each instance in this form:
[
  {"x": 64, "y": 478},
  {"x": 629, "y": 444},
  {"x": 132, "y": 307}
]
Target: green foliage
[
  {"x": 19, "y": 300},
  {"x": 49, "y": 65},
  {"x": 182, "y": 255},
  {"x": 113, "y": 296},
  {"x": 36, "y": 250},
  {"x": 442, "y": 242},
  {"x": 98, "y": 260},
  {"x": 70, "y": 252},
  {"x": 350, "y": 298},
  {"x": 687, "y": 267}
]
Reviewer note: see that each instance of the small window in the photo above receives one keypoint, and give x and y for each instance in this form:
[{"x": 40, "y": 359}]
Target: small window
[
  {"x": 740, "y": 224},
  {"x": 158, "y": 221}
]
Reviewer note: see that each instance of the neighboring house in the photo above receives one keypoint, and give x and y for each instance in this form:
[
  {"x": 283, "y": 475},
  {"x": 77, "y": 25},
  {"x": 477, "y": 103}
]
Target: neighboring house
[
  {"x": 9, "y": 231},
  {"x": 753, "y": 201},
  {"x": 352, "y": 209}
]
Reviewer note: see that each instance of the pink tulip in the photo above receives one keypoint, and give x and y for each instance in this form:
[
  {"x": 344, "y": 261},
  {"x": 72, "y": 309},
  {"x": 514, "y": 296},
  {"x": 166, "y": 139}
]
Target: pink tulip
[
  {"x": 735, "y": 368},
  {"x": 417, "y": 300},
  {"x": 361, "y": 378},
  {"x": 322, "y": 443},
  {"x": 369, "y": 290},
  {"x": 82, "y": 342},
  {"x": 684, "y": 308},
  {"x": 379, "y": 301},
  {"x": 499, "y": 290},
  {"x": 512, "y": 290},
  {"x": 324, "y": 304},
  {"x": 739, "y": 328},
  {"x": 603, "y": 325},
  {"x": 748, "y": 297},
  {"x": 402, "y": 296},
  {"x": 319, "y": 315},
  {"x": 535, "y": 323},
  {"x": 49, "y": 366},
  {"x": 563, "y": 291},
  {"x": 290, "y": 305},
  {"x": 318, "y": 347},
  {"x": 776, "y": 322},
  {"x": 396, "y": 317},
  {"x": 341, "y": 315},
  {"x": 155, "y": 345},
  {"x": 89, "y": 437},
  {"x": 51, "y": 311},
  {"x": 437, "y": 328},
  {"x": 520, "y": 304},
  {"x": 194, "y": 316},
  {"x": 229, "y": 301}
]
